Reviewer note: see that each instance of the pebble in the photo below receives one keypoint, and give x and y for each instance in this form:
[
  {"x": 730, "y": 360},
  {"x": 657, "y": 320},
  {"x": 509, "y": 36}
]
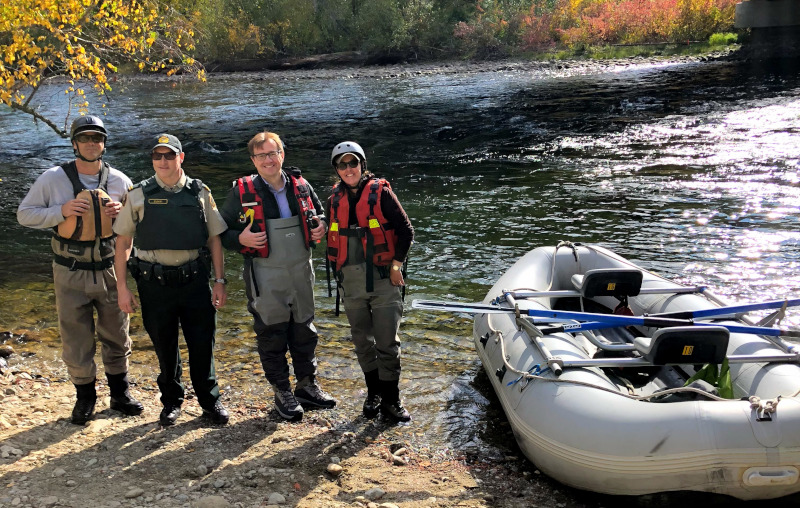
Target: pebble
[
  {"x": 134, "y": 493},
  {"x": 374, "y": 493},
  {"x": 48, "y": 501},
  {"x": 6, "y": 351},
  {"x": 201, "y": 470},
  {"x": 388, "y": 505},
  {"x": 398, "y": 461},
  {"x": 335, "y": 469},
  {"x": 276, "y": 498},
  {"x": 219, "y": 483},
  {"x": 59, "y": 472},
  {"x": 212, "y": 502}
]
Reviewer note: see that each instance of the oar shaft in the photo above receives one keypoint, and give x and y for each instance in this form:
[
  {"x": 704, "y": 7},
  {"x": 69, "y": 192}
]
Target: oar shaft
[{"x": 731, "y": 309}]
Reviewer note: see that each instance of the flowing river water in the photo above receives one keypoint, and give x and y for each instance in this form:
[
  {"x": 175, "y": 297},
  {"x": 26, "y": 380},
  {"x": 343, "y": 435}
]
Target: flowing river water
[{"x": 690, "y": 168}]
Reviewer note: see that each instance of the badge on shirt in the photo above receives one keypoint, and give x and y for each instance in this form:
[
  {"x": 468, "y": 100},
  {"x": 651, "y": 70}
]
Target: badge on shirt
[{"x": 157, "y": 201}]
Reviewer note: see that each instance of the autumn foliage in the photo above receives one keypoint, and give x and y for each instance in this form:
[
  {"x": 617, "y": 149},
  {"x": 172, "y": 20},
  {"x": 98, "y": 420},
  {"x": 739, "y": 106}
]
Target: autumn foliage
[{"x": 84, "y": 41}]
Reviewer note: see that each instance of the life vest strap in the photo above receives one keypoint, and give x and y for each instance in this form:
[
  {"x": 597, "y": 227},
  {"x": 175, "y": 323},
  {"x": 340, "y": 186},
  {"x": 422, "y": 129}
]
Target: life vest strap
[{"x": 73, "y": 264}]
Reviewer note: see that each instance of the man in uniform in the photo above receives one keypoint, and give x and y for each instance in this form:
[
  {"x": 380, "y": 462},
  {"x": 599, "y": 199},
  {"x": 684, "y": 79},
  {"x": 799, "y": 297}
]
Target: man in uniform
[
  {"x": 274, "y": 218},
  {"x": 83, "y": 270},
  {"x": 176, "y": 225}
]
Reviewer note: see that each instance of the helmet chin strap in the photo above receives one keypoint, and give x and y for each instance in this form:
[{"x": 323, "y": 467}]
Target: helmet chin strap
[{"x": 80, "y": 156}]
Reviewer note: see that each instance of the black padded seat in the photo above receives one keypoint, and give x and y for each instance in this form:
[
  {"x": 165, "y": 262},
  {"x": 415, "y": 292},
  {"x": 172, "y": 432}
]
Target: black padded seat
[
  {"x": 685, "y": 345},
  {"x": 608, "y": 282}
]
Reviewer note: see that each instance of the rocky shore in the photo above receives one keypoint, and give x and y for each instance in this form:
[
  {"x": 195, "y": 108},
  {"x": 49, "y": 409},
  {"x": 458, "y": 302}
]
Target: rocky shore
[{"x": 332, "y": 458}]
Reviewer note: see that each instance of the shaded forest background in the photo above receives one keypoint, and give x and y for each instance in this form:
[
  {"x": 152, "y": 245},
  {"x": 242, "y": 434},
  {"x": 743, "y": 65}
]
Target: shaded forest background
[{"x": 228, "y": 30}]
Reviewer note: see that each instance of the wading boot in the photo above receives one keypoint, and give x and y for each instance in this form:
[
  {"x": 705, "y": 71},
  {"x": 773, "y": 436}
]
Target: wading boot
[
  {"x": 372, "y": 404},
  {"x": 287, "y": 405},
  {"x": 391, "y": 405},
  {"x": 309, "y": 394},
  {"x": 84, "y": 406},
  {"x": 121, "y": 399}
]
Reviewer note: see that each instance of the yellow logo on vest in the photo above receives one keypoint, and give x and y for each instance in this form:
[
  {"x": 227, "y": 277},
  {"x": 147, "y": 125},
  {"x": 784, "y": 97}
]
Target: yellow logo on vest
[
  {"x": 687, "y": 350},
  {"x": 611, "y": 286},
  {"x": 373, "y": 223},
  {"x": 163, "y": 139},
  {"x": 154, "y": 201}
]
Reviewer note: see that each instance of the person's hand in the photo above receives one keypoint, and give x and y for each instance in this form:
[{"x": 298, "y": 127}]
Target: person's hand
[
  {"x": 112, "y": 209},
  {"x": 318, "y": 232},
  {"x": 396, "y": 276},
  {"x": 219, "y": 295},
  {"x": 253, "y": 240},
  {"x": 125, "y": 299},
  {"x": 74, "y": 207}
]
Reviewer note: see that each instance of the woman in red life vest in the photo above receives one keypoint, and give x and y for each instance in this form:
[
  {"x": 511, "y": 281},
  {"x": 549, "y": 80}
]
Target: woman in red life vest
[{"x": 368, "y": 240}]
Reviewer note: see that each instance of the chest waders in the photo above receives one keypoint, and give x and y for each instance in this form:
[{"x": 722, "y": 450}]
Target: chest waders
[{"x": 284, "y": 279}]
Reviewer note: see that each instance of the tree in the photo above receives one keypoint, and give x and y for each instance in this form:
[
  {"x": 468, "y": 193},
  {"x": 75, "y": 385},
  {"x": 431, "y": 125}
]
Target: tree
[{"x": 84, "y": 41}]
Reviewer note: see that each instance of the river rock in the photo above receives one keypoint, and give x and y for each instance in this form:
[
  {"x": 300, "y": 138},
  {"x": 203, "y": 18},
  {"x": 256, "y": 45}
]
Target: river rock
[
  {"x": 335, "y": 469},
  {"x": 59, "y": 472},
  {"x": 48, "y": 501},
  {"x": 134, "y": 492},
  {"x": 211, "y": 502},
  {"x": 399, "y": 461},
  {"x": 6, "y": 351},
  {"x": 374, "y": 493},
  {"x": 276, "y": 498}
]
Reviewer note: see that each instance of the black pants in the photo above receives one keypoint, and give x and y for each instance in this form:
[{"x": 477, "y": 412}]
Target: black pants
[
  {"x": 300, "y": 339},
  {"x": 164, "y": 308}
]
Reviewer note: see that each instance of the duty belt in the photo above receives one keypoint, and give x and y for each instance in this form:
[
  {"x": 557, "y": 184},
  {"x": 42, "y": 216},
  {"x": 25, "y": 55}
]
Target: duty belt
[
  {"x": 73, "y": 264},
  {"x": 166, "y": 275}
]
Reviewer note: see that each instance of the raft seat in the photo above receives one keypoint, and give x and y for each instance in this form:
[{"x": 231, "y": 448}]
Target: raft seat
[
  {"x": 608, "y": 282},
  {"x": 684, "y": 345}
]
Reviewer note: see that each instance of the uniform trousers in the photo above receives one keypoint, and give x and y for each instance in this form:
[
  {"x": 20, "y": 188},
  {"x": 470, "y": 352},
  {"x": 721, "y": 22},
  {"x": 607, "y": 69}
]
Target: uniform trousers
[
  {"x": 79, "y": 294},
  {"x": 374, "y": 320},
  {"x": 188, "y": 306}
]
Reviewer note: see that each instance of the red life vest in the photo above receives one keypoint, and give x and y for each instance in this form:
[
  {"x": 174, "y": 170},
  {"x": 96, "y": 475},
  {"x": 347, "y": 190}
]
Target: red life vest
[
  {"x": 253, "y": 209},
  {"x": 376, "y": 234}
]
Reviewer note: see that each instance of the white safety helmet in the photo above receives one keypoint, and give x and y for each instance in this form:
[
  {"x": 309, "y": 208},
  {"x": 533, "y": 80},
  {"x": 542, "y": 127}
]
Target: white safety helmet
[{"x": 346, "y": 147}]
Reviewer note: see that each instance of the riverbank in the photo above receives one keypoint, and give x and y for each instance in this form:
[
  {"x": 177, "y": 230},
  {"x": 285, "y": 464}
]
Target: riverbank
[{"x": 332, "y": 458}]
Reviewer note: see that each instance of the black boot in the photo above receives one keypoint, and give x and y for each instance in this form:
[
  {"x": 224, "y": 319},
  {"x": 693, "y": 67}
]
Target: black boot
[
  {"x": 84, "y": 406},
  {"x": 372, "y": 404},
  {"x": 391, "y": 405},
  {"x": 121, "y": 399}
]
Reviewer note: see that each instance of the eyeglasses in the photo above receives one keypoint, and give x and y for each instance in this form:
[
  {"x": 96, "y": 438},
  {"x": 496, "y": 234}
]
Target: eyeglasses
[
  {"x": 272, "y": 155},
  {"x": 94, "y": 138},
  {"x": 157, "y": 156},
  {"x": 343, "y": 165}
]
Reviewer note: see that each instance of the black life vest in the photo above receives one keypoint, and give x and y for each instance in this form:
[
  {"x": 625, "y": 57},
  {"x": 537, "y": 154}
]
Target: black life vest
[
  {"x": 376, "y": 233},
  {"x": 83, "y": 230},
  {"x": 172, "y": 220},
  {"x": 253, "y": 209}
]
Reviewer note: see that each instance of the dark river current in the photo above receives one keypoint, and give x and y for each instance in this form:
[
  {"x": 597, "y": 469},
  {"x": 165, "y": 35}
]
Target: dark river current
[{"x": 691, "y": 169}]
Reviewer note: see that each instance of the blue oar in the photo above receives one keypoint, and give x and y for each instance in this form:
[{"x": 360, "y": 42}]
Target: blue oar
[
  {"x": 732, "y": 309},
  {"x": 598, "y": 320}
]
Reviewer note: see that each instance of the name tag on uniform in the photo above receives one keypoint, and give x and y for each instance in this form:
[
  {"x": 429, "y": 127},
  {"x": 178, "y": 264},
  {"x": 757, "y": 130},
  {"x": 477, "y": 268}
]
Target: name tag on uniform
[
  {"x": 249, "y": 204},
  {"x": 157, "y": 201}
]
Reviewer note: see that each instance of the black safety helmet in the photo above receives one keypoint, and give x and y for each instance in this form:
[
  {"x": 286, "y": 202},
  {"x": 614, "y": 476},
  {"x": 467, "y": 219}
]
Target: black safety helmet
[{"x": 87, "y": 124}]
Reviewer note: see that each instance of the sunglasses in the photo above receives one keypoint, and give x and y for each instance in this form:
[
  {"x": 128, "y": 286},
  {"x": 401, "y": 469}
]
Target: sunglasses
[
  {"x": 344, "y": 165},
  {"x": 157, "y": 156},
  {"x": 94, "y": 138}
]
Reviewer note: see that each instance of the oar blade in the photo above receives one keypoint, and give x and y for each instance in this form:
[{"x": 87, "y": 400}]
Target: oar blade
[{"x": 469, "y": 308}]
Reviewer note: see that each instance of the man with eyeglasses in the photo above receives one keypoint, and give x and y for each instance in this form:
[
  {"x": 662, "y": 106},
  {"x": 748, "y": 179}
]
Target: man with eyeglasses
[
  {"x": 274, "y": 218},
  {"x": 78, "y": 200},
  {"x": 176, "y": 226}
]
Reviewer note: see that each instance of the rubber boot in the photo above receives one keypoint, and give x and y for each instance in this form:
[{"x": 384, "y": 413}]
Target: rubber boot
[
  {"x": 84, "y": 406},
  {"x": 391, "y": 405},
  {"x": 121, "y": 399},
  {"x": 372, "y": 404}
]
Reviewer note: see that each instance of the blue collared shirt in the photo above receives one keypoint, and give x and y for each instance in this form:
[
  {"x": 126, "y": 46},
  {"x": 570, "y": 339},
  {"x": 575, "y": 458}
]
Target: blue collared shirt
[{"x": 280, "y": 197}]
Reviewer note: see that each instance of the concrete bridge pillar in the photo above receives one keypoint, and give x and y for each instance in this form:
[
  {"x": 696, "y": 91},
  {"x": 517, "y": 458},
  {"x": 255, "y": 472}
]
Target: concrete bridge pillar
[
  {"x": 767, "y": 13},
  {"x": 774, "y": 26}
]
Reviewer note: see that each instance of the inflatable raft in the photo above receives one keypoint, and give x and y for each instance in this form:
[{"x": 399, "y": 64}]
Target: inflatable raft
[{"x": 616, "y": 380}]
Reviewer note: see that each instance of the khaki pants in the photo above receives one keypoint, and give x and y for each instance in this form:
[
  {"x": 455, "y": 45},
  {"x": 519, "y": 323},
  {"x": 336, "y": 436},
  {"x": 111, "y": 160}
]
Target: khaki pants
[
  {"x": 374, "y": 321},
  {"x": 78, "y": 294}
]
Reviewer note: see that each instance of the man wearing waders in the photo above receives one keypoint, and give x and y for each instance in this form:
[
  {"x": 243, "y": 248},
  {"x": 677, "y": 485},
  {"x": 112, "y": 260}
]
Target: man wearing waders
[
  {"x": 176, "y": 226},
  {"x": 274, "y": 218},
  {"x": 79, "y": 199},
  {"x": 368, "y": 241}
]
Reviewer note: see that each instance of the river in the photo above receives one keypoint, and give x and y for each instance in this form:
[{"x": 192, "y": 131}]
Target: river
[{"x": 690, "y": 168}]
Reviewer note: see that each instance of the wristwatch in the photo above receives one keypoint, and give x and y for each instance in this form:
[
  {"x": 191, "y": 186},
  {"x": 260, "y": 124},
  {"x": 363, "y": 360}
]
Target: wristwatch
[
  {"x": 222, "y": 280},
  {"x": 396, "y": 268}
]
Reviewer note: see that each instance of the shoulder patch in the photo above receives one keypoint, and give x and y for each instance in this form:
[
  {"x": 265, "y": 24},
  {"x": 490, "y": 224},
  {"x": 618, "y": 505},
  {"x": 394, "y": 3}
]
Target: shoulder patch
[{"x": 211, "y": 200}]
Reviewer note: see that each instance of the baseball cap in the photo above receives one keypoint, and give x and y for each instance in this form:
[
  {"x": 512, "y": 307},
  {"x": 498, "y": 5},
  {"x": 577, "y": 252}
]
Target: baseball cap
[{"x": 169, "y": 141}]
